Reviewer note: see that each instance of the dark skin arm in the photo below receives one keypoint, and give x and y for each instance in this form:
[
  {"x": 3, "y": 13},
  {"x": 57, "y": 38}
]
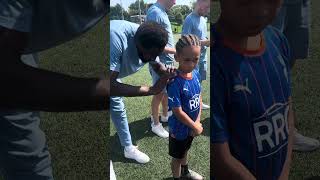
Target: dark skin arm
[
  {"x": 121, "y": 89},
  {"x": 25, "y": 87}
]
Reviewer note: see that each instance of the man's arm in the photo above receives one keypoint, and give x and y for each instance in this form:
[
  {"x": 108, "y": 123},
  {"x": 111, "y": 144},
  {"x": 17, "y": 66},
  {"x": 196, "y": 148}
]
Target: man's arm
[
  {"x": 121, "y": 89},
  {"x": 25, "y": 87},
  {"x": 205, "y": 42},
  {"x": 225, "y": 166},
  {"x": 169, "y": 50},
  {"x": 286, "y": 168}
]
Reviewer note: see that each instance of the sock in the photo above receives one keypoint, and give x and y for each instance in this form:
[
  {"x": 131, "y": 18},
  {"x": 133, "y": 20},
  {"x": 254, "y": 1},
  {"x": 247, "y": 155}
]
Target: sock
[{"x": 184, "y": 169}]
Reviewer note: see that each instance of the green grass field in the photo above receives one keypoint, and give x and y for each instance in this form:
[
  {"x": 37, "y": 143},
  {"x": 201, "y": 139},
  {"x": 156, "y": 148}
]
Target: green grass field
[
  {"x": 78, "y": 141},
  {"x": 306, "y": 97}
]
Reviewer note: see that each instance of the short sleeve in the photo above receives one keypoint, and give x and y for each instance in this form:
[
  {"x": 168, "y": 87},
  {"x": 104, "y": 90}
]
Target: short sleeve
[
  {"x": 187, "y": 26},
  {"x": 219, "y": 130},
  {"x": 174, "y": 94},
  {"x": 16, "y": 14},
  {"x": 154, "y": 16},
  {"x": 115, "y": 52}
]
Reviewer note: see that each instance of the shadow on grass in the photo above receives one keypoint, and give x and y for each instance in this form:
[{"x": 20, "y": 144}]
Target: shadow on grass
[{"x": 139, "y": 130}]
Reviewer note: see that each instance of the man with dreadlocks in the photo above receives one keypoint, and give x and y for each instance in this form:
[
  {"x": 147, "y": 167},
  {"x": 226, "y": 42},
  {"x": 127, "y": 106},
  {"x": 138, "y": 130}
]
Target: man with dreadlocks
[{"x": 184, "y": 99}]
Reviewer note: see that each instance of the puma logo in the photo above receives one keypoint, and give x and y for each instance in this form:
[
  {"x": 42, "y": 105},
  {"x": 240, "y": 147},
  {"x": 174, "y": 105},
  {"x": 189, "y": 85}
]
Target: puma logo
[{"x": 241, "y": 87}]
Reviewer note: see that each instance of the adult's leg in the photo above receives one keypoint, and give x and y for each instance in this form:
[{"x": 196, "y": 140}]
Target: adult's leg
[
  {"x": 119, "y": 119},
  {"x": 294, "y": 21},
  {"x": 156, "y": 126},
  {"x": 24, "y": 153}
]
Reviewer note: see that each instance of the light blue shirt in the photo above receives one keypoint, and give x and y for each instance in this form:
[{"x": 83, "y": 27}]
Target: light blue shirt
[
  {"x": 197, "y": 25},
  {"x": 158, "y": 14},
  {"x": 123, "y": 52},
  {"x": 50, "y": 23}
]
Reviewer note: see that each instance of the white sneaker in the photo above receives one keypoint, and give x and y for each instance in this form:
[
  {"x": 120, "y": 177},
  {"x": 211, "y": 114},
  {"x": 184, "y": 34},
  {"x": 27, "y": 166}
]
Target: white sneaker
[
  {"x": 303, "y": 143},
  {"x": 112, "y": 173},
  {"x": 192, "y": 175},
  {"x": 159, "y": 130},
  {"x": 205, "y": 106},
  {"x": 164, "y": 119},
  {"x": 132, "y": 152}
]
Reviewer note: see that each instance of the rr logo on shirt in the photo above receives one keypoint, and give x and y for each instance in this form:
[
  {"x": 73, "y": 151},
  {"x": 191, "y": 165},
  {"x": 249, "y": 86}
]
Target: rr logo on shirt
[
  {"x": 194, "y": 102},
  {"x": 271, "y": 130}
]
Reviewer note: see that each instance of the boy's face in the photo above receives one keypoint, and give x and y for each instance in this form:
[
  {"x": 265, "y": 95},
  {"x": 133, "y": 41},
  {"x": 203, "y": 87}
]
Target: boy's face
[
  {"x": 188, "y": 58},
  {"x": 248, "y": 17}
]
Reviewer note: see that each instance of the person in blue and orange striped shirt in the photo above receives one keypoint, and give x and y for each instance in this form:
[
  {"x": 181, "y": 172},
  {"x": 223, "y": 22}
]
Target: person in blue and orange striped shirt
[{"x": 184, "y": 99}]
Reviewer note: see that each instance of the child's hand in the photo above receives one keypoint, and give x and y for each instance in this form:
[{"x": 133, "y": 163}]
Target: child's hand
[{"x": 197, "y": 129}]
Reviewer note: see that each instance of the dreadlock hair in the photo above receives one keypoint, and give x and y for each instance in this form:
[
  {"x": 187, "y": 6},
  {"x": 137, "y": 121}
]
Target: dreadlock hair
[
  {"x": 151, "y": 35},
  {"x": 187, "y": 40}
]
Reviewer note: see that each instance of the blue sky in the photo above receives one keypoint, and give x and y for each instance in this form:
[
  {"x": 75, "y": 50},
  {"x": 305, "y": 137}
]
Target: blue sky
[{"x": 126, "y": 3}]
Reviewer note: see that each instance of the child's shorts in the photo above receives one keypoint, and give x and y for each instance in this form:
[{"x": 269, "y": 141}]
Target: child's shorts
[{"x": 178, "y": 148}]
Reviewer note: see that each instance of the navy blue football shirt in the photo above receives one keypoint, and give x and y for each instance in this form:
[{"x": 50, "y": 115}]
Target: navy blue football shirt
[
  {"x": 250, "y": 93},
  {"x": 184, "y": 93}
]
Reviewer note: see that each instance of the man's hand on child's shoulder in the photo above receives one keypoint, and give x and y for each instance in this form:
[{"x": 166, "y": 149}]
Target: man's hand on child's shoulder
[{"x": 163, "y": 70}]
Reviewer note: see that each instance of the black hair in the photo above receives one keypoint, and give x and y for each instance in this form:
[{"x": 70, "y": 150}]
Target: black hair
[
  {"x": 151, "y": 35},
  {"x": 187, "y": 40}
]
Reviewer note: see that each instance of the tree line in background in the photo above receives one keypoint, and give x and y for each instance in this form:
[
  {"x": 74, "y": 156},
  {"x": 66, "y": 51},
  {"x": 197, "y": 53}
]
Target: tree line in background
[{"x": 177, "y": 14}]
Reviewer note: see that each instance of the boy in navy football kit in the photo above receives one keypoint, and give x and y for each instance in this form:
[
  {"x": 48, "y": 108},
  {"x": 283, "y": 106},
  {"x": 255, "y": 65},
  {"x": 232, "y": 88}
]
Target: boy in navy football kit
[
  {"x": 251, "y": 122},
  {"x": 184, "y": 99}
]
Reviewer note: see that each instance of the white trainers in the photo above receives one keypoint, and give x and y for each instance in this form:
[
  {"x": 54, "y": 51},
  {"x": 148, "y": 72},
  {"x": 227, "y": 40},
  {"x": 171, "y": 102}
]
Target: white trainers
[
  {"x": 205, "y": 106},
  {"x": 164, "y": 119},
  {"x": 159, "y": 130},
  {"x": 112, "y": 173},
  {"x": 192, "y": 175},
  {"x": 303, "y": 143},
  {"x": 132, "y": 152}
]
